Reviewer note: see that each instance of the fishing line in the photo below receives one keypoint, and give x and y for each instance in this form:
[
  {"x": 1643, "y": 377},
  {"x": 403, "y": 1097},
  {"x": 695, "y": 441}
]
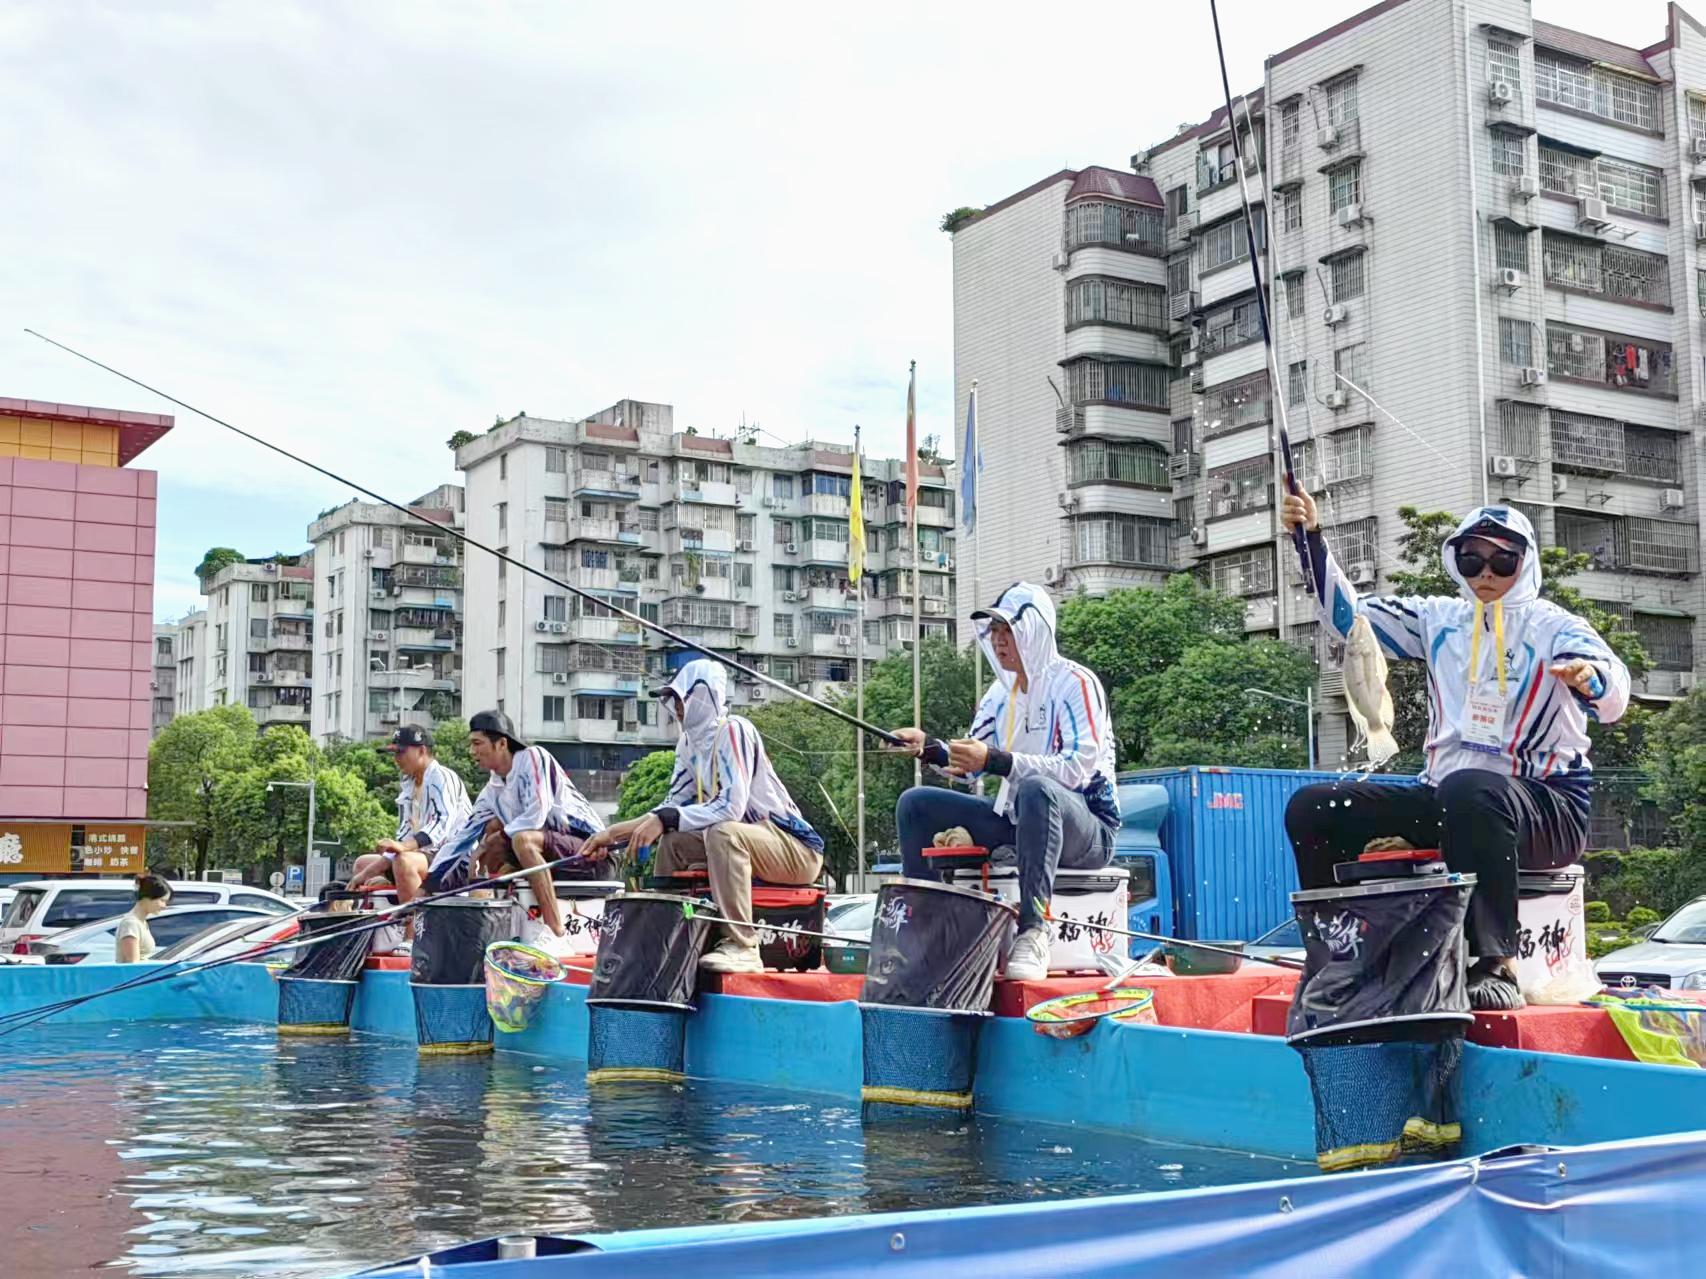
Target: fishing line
[{"x": 585, "y": 596}]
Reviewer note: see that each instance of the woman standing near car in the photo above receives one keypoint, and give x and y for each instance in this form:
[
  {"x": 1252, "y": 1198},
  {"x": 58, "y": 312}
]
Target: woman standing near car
[{"x": 134, "y": 942}]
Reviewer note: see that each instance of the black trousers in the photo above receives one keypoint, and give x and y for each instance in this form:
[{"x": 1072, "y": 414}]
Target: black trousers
[{"x": 1483, "y": 823}]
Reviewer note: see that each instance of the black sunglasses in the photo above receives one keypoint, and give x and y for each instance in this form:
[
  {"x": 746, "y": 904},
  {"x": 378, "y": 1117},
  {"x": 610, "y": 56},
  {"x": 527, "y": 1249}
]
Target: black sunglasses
[{"x": 1503, "y": 563}]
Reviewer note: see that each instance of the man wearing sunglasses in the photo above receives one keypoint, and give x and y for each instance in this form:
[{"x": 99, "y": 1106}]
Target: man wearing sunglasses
[{"x": 1512, "y": 682}]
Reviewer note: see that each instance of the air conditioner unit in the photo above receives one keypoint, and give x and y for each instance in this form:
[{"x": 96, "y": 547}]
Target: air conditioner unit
[
  {"x": 1501, "y": 93},
  {"x": 1595, "y": 213},
  {"x": 559, "y": 628},
  {"x": 1337, "y": 400},
  {"x": 1361, "y": 573},
  {"x": 367, "y": 554},
  {"x": 1335, "y": 315},
  {"x": 1510, "y": 278},
  {"x": 1060, "y": 261},
  {"x": 1327, "y": 137},
  {"x": 261, "y": 677},
  {"x": 769, "y": 503},
  {"x": 1183, "y": 304},
  {"x": 1532, "y": 377},
  {"x": 745, "y": 544},
  {"x": 388, "y": 718},
  {"x": 1186, "y": 223},
  {"x": 846, "y": 641},
  {"x": 1685, "y": 681},
  {"x": 559, "y": 677},
  {"x": 1525, "y": 188},
  {"x": 1698, "y": 148},
  {"x": 933, "y": 607},
  {"x": 1182, "y": 465},
  {"x": 1560, "y": 485},
  {"x": 1503, "y": 468},
  {"x": 1199, "y": 536},
  {"x": 1350, "y": 216},
  {"x": 1700, "y": 231},
  {"x": 1199, "y": 380},
  {"x": 1189, "y": 357},
  {"x": 791, "y": 596},
  {"x": 1051, "y": 575},
  {"x": 541, "y": 626},
  {"x": 793, "y": 641},
  {"x": 396, "y": 590},
  {"x": 792, "y": 548},
  {"x": 756, "y": 694},
  {"x": 1671, "y": 499}
]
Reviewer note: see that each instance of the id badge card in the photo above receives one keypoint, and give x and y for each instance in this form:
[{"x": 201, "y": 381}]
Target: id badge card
[{"x": 1484, "y": 721}]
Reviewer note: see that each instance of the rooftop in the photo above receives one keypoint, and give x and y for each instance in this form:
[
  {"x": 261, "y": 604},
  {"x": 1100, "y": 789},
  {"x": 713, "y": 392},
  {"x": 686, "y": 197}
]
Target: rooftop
[{"x": 136, "y": 431}]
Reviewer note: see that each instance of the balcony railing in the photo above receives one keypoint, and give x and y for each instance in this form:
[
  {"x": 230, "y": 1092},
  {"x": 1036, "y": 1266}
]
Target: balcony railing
[
  {"x": 1639, "y": 545},
  {"x": 1095, "y": 223}
]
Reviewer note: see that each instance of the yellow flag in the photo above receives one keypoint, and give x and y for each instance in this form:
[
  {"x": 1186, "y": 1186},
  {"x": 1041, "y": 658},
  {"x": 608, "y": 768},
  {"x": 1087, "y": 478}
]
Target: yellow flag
[{"x": 856, "y": 520}]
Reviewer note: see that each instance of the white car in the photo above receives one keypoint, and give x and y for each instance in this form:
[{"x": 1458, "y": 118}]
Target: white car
[{"x": 44, "y": 907}]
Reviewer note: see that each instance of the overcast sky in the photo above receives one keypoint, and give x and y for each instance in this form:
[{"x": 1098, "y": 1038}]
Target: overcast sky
[{"x": 358, "y": 228}]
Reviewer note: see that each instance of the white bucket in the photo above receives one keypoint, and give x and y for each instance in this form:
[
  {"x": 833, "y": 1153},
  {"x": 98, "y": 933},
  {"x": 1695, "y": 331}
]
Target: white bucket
[
  {"x": 1552, "y": 964},
  {"x": 1080, "y": 897},
  {"x": 582, "y": 905}
]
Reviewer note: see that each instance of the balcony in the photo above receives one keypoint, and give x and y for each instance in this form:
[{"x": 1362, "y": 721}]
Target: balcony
[
  {"x": 426, "y": 554},
  {"x": 830, "y": 504},
  {"x": 1668, "y": 547},
  {"x": 592, "y": 683},
  {"x": 706, "y": 493},
  {"x": 590, "y": 529},
  {"x": 418, "y": 677},
  {"x": 425, "y": 638},
  {"x": 935, "y": 517},
  {"x": 289, "y": 643},
  {"x": 604, "y": 630},
  {"x": 607, "y": 484},
  {"x": 282, "y": 713},
  {"x": 838, "y": 645}
]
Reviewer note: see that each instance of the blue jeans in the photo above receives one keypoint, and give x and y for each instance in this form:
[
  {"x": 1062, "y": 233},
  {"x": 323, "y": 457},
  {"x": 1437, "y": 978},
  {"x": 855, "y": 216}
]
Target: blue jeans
[{"x": 1050, "y": 826}]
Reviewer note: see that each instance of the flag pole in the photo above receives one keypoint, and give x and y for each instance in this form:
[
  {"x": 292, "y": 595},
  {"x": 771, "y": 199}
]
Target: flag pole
[
  {"x": 917, "y": 574},
  {"x": 975, "y": 461},
  {"x": 858, "y": 510}
]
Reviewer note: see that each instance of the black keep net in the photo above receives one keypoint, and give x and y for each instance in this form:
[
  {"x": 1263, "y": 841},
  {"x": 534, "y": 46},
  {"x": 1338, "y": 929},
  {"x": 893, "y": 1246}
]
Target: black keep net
[
  {"x": 935, "y": 946},
  {"x": 1379, "y": 1016}
]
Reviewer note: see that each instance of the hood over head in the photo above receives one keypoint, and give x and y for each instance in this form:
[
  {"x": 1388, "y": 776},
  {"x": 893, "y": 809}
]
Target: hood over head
[
  {"x": 1029, "y": 611},
  {"x": 703, "y": 687},
  {"x": 1507, "y": 526}
]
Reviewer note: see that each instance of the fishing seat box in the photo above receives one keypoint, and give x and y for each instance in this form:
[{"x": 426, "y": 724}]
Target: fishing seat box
[
  {"x": 1551, "y": 929},
  {"x": 1081, "y": 897},
  {"x": 775, "y": 905},
  {"x": 580, "y": 902}
]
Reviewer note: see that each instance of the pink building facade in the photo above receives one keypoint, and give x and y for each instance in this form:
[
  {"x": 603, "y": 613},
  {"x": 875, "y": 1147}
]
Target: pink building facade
[{"x": 76, "y": 613}]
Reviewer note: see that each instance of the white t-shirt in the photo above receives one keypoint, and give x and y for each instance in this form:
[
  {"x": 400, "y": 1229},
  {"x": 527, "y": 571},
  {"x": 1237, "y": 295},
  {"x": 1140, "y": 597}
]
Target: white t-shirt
[{"x": 137, "y": 927}]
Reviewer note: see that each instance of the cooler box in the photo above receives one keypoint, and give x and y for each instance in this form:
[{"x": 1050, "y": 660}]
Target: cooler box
[
  {"x": 581, "y": 902},
  {"x": 802, "y": 908},
  {"x": 1551, "y": 939},
  {"x": 372, "y": 900},
  {"x": 1081, "y": 897}
]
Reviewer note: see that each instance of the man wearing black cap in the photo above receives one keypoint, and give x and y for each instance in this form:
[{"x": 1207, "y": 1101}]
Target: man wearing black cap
[
  {"x": 431, "y": 806},
  {"x": 529, "y": 813}
]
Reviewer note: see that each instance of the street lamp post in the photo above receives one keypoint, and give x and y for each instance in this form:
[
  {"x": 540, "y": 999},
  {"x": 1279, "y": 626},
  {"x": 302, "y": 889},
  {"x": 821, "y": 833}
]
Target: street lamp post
[
  {"x": 1308, "y": 705},
  {"x": 308, "y": 856}
]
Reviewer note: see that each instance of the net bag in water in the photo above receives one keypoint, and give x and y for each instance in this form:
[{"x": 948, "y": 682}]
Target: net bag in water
[
  {"x": 316, "y": 992},
  {"x": 1379, "y": 1016},
  {"x": 517, "y": 978},
  {"x": 919, "y": 1056},
  {"x": 935, "y": 946},
  {"x": 649, "y": 946},
  {"x": 625, "y": 1044},
  {"x": 447, "y": 972}
]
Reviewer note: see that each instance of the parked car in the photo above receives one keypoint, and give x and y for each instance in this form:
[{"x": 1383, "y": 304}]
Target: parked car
[
  {"x": 1282, "y": 941},
  {"x": 44, "y": 907},
  {"x": 851, "y": 917},
  {"x": 236, "y": 938},
  {"x": 1673, "y": 956},
  {"x": 97, "y": 942}
]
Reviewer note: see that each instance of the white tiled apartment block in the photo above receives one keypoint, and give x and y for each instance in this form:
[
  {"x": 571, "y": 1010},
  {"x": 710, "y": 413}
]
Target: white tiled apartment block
[
  {"x": 175, "y": 680},
  {"x": 1491, "y": 226},
  {"x": 739, "y": 547},
  {"x": 387, "y": 642},
  {"x": 258, "y": 642}
]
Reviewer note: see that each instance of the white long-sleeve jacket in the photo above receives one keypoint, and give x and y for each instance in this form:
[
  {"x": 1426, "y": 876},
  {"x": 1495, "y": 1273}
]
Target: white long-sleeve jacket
[
  {"x": 444, "y": 808},
  {"x": 1544, "y": 733},
  {"x": 535, "y": 795}
]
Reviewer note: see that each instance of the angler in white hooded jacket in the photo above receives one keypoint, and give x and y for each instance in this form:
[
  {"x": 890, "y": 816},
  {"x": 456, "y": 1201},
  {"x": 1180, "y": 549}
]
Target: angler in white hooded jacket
[
  {"x": 1043, "y": 728},
  {"x": 1512, "y": 682},
  {"x": 726, "y": 810}
]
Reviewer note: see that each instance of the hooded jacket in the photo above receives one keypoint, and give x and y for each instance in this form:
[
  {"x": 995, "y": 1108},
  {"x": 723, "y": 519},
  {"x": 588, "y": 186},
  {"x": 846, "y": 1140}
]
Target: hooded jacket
[
  {"x": 1544, "y": 733},
  {"x": 1059, "y": 727},
  {"x": 536, "y": 794},
  {"x": 722, "y": 773}
]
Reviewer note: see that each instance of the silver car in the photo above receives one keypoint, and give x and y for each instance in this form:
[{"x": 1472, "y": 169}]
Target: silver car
[
  {"x": 97, "y": 943},
  {"x": 1674, "y": 956}
]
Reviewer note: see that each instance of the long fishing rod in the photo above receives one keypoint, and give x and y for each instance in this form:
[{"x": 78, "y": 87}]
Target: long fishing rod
[
  {"x": 361, "y": 923},
  {"x": 1276, "y": 395},
  {"x": 584, "y": 596}
]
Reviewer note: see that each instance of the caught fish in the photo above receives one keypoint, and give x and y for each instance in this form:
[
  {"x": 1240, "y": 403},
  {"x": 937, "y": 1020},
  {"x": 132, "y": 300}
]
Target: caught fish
[{"x": 1365, "y": 692}]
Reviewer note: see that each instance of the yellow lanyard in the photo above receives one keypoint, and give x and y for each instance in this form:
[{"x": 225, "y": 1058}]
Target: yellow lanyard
[
  {"x": 1012, "y": 706},
  {"x": 1498, "y": 639},
  {"x": 698, "y": 783}
]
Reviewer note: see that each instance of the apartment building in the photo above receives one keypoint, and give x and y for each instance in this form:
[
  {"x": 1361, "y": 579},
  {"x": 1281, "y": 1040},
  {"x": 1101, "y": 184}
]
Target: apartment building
[
  {"x": 259, "y": 642},
  {"x": 732, "y": 544},
  {"x": 177, "y": 682},
  {"x": 387, "y": 643},
  {"x": 1481, "y": 236}
]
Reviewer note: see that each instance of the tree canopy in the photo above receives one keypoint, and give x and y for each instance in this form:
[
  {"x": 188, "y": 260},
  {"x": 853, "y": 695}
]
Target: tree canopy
[
  {"x": 186, "y": 765},
  {"x": 216, "y": 558},
  {"x": 645, "y": 785}
]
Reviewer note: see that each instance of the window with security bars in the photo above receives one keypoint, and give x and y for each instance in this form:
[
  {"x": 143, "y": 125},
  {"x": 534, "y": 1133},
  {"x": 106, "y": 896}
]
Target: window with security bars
[
  {"x": 1632, "y": 187},
  {"x": 1102, "y": 301},
  {"x": 1581, "y": 86},
  {"x": 1225, "y": 243},
  {"x": 1669, "y": 641},
  {"x": 1179, "y": 276},
  {"x": 1696, "y": 116},
  {"x": 1243, "y": 573},
  {"x": 1347, "y": 272},
  {"x": 1117, "y": 462},
  {"x": 1613, "y": 271},
  {"x": 1178, "y": 203},
  {"x": 1184, "y": 516},
  {"x": 1355, "y": 542},
  {"x": 1509, "y": 153},
  {"x": 1510, "y": 246},
  {"x": 1341, "y": 97},
  {"x": 1241, "y": 487},
  {"x": 1653, "y": 454},
  {"x": 1344, "y": 185},
  {"x": 1296, "y": 293},
  {"x": 1091, "y": 381},
  {"x": 1519, "y": 430},
  {"x": 1183, "y": 434},
  {"x": 1504, "y": 62},
  {"x": 1138, "y": 540},
  {"x": 1516, "y": 343},
  {"x": 1115, "y": 226},
  {"x": 1565, "y": 173},
  {"x": 1586, "y": 444},
  {"x": 1289, "y": 125},
  {"x": 556, "y": 510},
  {"x": 1350, "y": 363},
  {"x": 1231, "y": 406},
  {"x": 1297, "y": 383},
  {"x": 1622, "y": 363},
  {"x": 1288, "y": 208},
  {"x": 1231, "y": 327},
  {"x": 1339, "y": 458}
]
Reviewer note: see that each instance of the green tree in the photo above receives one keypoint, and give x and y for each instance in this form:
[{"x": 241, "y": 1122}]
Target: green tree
[
  {"x": 1130, "y": 638},
  {"x": 371, "y": 762},
  {"x": 1674, "y": 759},
  {"x": 216, "y": 558},
  {"x": 802, "y": 743},
  {"x": 645, "y": 784},
  {"x": 1203, "y": 714},
  {"x": 450, "y": 744},
  {"x": 957, "y": 218},
  {"x": 187, "y": 764},
  {"x": 460, "y": 438}
]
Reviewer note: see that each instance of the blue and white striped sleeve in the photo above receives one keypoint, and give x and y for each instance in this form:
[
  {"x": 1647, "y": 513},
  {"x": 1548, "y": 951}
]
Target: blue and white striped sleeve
[
  {"x": 1610, "y": 696},
  {"x": 1396, "y": 619},
  {"x": 1081, "y": 725},
  {"x": 446, "y": 807}
]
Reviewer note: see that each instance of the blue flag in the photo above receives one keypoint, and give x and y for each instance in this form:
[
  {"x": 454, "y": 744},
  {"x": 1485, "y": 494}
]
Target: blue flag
[{"x": 971, "y": 464}]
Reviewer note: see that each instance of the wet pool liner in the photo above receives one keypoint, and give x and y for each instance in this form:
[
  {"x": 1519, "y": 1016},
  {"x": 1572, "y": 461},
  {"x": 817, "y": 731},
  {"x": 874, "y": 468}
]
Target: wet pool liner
[
  {"x": 642, "y": 988},
  {"x": 1379, "y": 1017},
  {"x": 447, "y": 973},
  {"x": 317, "y": 991}
]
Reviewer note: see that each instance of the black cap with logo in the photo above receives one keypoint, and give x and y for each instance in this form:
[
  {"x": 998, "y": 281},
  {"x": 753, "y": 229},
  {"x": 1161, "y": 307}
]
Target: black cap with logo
[
  {"x": 410, "y": 735},
  {"x": 497, "y": 724}
]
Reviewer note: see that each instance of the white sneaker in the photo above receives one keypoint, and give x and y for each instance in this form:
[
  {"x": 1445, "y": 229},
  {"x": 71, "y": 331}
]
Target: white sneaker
[
  {"x": 1028, "y": 960},
  {"x": 732, "y": 957}
]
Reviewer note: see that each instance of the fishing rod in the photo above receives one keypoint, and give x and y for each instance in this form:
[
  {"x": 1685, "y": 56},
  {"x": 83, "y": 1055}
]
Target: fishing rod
[
  {"x": 583, "y": 595},
  {"x": 1276, "y": 395},
  {"x": 361, "y": 923}
]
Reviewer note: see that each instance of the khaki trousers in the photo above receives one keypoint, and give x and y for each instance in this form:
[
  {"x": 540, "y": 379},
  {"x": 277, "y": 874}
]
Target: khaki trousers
[{"x": 732, "y": 853}]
